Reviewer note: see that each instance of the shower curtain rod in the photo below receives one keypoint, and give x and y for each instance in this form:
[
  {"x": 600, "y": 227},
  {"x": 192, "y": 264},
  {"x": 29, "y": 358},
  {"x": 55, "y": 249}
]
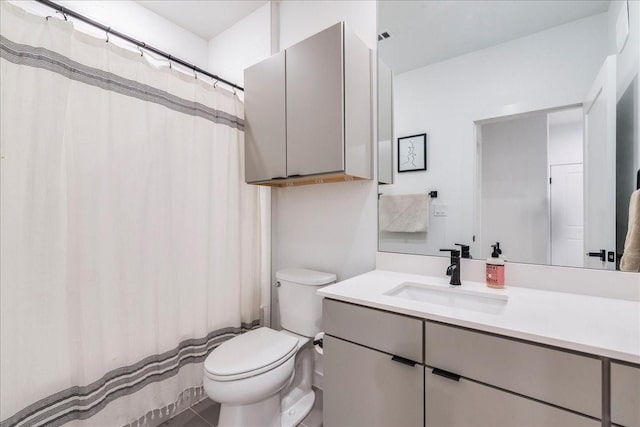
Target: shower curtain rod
[{"x": 108, "y": 30}]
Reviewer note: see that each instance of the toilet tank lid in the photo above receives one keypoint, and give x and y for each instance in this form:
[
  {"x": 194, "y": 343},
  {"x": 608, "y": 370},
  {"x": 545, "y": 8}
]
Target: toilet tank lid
[{"x": 305, "y": 277}]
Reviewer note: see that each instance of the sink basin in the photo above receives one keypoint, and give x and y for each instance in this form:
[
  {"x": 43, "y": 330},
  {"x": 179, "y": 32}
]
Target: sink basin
[{"x": 458, "y": 297}]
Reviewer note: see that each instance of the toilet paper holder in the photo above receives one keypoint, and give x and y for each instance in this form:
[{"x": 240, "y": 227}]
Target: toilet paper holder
[{"x": 318, "y": 343}]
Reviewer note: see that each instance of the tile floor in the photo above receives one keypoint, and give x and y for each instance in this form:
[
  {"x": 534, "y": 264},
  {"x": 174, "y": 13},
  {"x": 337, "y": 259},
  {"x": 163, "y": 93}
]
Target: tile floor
[{"x": 205, "y": 414}]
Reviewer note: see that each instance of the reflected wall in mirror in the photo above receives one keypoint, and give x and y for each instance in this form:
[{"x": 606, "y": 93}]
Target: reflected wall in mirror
[{"x": 532, "y": 111}]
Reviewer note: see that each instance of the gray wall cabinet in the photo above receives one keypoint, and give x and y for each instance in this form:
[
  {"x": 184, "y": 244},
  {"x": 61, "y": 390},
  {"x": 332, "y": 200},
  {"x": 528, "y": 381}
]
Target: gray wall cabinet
[
  {"x": 265, "y": 120},
  {"x": 308, "y": 112},
  {"x": 471, "y": 379}
]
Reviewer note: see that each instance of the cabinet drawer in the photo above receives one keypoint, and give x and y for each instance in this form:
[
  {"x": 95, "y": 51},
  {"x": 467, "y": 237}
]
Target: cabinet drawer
[
  {"x": 564, "y": 379},
  {"x": 625, "y": 395},
  {"x": 464, "y": 403},
  {"x": 391, "y": 333},
  {"x": 364, "y": 387}
]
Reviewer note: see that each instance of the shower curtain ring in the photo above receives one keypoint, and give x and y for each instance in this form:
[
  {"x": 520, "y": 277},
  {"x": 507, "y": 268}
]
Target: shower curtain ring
[
  {"x": 61, "y": 11},
  {"x": 216, "y": 83},
  {"x": 195, "y": 75},
  {"x": 141, "y": 51},
  {"x": 107, "y": 33}
]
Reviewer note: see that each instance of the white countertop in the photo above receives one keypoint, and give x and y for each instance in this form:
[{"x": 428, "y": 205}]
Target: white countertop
[{"x": 600, "y": 326}]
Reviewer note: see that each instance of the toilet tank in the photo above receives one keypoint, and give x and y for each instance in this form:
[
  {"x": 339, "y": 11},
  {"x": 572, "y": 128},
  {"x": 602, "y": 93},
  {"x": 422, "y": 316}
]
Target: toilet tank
[{"x": 300, "y": 305}]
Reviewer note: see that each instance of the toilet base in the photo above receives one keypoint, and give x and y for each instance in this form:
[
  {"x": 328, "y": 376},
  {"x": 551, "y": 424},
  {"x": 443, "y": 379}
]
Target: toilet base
[
  {"x": 296, "y": 413},
  {"x": 265, "y": 413}
]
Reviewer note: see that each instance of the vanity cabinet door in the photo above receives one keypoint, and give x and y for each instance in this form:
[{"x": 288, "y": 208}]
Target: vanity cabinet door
[
  {"x": 464, "y": 403},
  {"x": 566, "y": 379},
  {"x": 264, "y": 107},
  {"x": 364, "y": 387},
  {"x": 625, "y": 395}
]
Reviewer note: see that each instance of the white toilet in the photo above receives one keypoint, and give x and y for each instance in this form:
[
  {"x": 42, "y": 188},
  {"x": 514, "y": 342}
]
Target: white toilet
[{"x": 263, "y": 377}]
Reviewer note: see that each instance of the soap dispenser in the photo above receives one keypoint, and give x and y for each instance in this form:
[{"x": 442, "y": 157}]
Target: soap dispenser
[{"x": 495, "y": 268}]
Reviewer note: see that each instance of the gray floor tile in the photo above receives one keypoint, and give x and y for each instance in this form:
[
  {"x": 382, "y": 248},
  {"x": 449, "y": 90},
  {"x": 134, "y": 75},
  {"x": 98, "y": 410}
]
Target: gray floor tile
[
  {"x": 206, "y": 413},
  {"x": 187, "y": 418},
  {"x": 209, "y": 410},
  {"x": 314, "y": 418}
]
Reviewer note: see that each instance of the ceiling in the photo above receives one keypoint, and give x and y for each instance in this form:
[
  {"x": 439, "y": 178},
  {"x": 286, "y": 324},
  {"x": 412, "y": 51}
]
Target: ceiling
[
  {"x": 206, "y": 18},
  {"x": 426, "y": 32}
]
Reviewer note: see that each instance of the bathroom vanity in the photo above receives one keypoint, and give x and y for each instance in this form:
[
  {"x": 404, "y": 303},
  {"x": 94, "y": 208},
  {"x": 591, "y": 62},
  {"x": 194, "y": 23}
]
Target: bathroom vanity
[{"x": 408, "y": 350}]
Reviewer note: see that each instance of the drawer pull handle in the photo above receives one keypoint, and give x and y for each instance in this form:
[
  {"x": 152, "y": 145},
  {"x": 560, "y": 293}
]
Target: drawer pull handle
[
  {"x": 404, "y": 361},
  {"x": 446, "y": 374}
]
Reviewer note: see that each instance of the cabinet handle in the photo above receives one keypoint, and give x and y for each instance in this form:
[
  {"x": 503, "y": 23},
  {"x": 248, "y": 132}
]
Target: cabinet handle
[
  {"x": 404, "y": 361},
  {"x": 278, "y": 177},
  {"x": 446, "y": 374},
  {"x": 297, "y": 175}
]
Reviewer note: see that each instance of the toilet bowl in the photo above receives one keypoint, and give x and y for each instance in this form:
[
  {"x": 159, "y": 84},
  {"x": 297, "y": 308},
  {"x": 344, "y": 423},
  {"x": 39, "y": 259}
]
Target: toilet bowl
[{"x": 264, "y": 377}]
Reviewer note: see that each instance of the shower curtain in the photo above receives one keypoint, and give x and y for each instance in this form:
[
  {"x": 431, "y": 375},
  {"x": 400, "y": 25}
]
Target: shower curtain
[{"x": 130, "y": 245}]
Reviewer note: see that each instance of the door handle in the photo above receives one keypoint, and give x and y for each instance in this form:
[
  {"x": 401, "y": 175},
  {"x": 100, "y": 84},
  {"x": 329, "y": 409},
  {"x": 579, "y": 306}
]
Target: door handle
[
  {"x": 602, "y": 254},
  {"x": 403, "y": 360}
]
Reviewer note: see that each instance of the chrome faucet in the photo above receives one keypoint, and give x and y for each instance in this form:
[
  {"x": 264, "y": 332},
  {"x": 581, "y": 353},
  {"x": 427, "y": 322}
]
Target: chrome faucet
[{"x": 454, "y": 269}]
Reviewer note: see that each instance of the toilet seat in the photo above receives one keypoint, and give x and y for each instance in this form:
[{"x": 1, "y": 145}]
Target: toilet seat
[{"x": 250, "y": 354}]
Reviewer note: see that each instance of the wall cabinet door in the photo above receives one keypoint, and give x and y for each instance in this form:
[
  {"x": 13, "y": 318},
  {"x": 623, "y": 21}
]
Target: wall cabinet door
[
  {"x": 364, "y": 387},
  {"x": 315, "y": 104},
  {"x": 463, "y": 403},
  {"x": 625, "y": 395},
  {"x": 265, "y": 118}
]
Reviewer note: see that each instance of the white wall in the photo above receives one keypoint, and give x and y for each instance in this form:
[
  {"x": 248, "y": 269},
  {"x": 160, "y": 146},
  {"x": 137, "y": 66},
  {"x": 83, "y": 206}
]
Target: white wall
[
  {"x": 242, "y": 45},
  {"x": 565, "y": 143},
  {"x": 132, "y": 19},
  {"x": 329, "y": 227},
  {"x": 548, "y": 69},
  {"x": 301, "y": 19},
  {"x": 628, "y": 60},
  {"x": 515, "y": 208}
]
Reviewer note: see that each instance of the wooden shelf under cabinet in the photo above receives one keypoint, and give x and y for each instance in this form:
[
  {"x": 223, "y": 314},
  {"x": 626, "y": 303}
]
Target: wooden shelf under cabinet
[{"x": 311, "y": 179}]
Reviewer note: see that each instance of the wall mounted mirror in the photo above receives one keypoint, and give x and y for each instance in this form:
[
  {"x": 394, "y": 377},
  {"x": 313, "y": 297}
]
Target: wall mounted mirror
[{"x": 531, "y": 115}]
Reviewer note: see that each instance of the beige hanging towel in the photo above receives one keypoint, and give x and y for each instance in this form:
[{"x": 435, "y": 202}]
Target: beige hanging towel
[
  {"x": 631, "y": 256},
  {"x": 406, "y": 213}
]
